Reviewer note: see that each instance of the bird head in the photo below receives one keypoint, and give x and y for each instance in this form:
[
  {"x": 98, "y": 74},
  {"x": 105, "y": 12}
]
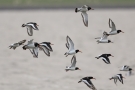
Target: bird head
[
  {"x": 77, "y": 68},
  {"x": 78, "y": 51},
  {"x": 89, "y": 8},
  {"x": 109, "y": 41},
  {"x": 118, "y": 31},
  {"x": 92, "y": 78}
]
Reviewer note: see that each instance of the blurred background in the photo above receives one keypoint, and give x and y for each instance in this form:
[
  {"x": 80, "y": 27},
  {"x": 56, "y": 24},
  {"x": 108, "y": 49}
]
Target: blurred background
[{"x": 57, "y": 19}]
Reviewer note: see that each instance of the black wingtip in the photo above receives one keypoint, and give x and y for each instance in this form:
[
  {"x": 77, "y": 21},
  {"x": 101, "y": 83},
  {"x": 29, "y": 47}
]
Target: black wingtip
[{"x": 76, "y": 10}]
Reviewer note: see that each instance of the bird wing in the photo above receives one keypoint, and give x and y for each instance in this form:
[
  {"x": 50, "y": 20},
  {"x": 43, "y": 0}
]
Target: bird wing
[
  {"x": 67, "y": 45},
  {"x": 89, "y": 84},
  {"x": 30, "y": 41},
  {"x": 85, "y": 18},
  {"x": 35, "y": 51},
  {"x": 105, "y": 35},
  {"x": 21, "y": 42},
  {"x": 34, "y": 55},
  {"x": 46, "y": 51},
  {"x": 84, "y": 6},
  {"x": 106, "y": 60},
  {"x": 112, "y": 25},
  {"x": 73, "y": 61},
  {"x": 15, "y": 44},
  {"x": 120, "y": 78},
  {"x": 29, "y": 31},
  {"x": 47, "y": 46},
  {"x": 70, "y": 43},
  {"x": 33, "y": 25}
]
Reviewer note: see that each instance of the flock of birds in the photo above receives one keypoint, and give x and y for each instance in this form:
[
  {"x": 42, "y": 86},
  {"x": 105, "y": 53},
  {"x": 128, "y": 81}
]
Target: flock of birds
[{"x": 34, "y": 47}]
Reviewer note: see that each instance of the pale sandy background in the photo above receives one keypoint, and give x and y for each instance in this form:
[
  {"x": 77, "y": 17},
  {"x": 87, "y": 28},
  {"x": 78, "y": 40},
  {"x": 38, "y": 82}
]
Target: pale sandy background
[{"x": 20, "y": 71}]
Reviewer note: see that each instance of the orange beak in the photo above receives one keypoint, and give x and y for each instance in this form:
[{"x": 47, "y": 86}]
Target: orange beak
[
  {"x": 80, "y": 51},
  {"x": 94, "y": 78}
]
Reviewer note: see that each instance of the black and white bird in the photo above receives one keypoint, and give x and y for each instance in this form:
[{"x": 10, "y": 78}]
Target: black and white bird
[
  {"x": 33, "y": 47},
  {"x": 119, "y": 77},
  {"x": 73, "y": 65},
  {"x": 105, "y": 58},
  {"x": 113, "y": 30},
  {"x": 88, "y": 82},
  {"x": 47, "y": 45},
  {"x": 104, "y": 39},
  {"x": 15, "y": 45},
  {"x": 30, "y": 26},
  {"x": 127, "y": 68},
  {"x": 70, "y": 46},
  {"x": 84, "y": 9}
]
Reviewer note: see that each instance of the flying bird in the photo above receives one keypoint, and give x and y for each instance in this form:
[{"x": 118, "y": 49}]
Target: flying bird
[
  {"x": 70, "y": 46},
  {"x": 15, "y": 45},
  {"x": 73, "y": 65},
  {"x": 84, "y": 9},
  {"x": 112, "y": 26},
  {"x": 33, "y": 47},
  {"x": 127, "y": 68},
  {"x": 104, "y": 39},
  {"x": 105, "y": 58},
  {"x": 119, "y": 77},
  {"x": 30, "y": 26},
  {"x": 87, "y": 81},
  {"x": 47, "y": 45}
]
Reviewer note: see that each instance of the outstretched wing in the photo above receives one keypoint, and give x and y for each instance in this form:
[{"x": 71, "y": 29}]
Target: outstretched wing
[
  {"x": 46, "y": 45},
  {"x": 112, "y": 25},
  {"x": 84, "y": 6},
  {"x": 70, "y": 43},
  {"x": 46, "y": 51},
  {"x": 33, "y": 25},
  {"x": 85, "y": 18},
  {"x": 120, "y": 78},
  {"x": 34, "y": 54},
  {"x": 105, "y": 35},
  {"x": 73, "y": 61},
  {"x": 35, "y": 51},
  {"x": 67, "y": 45},
  {"x": 29, "y": 31},
  {"x": 89, "y": 84},
  {"x": 30, "y": 41},
  {"x": 106, "y": 60},
  {"x": 21, "y": 42}
]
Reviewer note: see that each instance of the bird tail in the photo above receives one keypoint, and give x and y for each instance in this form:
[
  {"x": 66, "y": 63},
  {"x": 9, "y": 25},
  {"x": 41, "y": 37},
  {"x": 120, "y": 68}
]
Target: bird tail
[
  {"x": 97, "y": 57},
  {"x": 110, "y": 78},
  {"x": 79, "y": 81},
  {"x": 23, "y": 25}
]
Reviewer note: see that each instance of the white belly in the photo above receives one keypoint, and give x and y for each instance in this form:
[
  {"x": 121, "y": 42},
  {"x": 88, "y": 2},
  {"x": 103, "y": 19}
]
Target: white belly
[
  {"x": 113, "y": 33},
  {"x": 71, "y": 52},
  {"x": 103, "y": 41}
]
